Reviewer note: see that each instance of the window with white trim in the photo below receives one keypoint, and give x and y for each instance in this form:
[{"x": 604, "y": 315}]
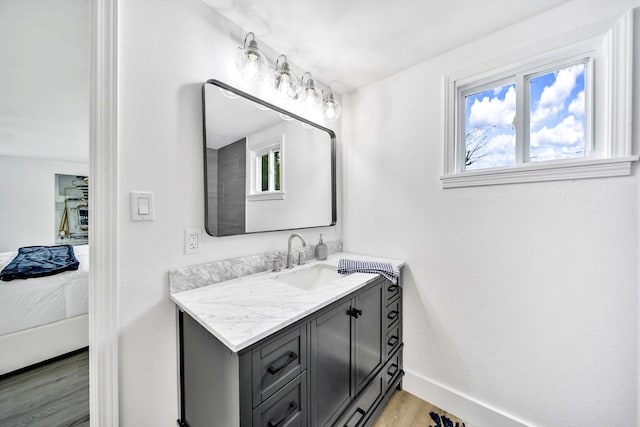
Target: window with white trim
[
  {"x": 266, "y": 168},
  {"x": 554, "y": 117},
  {"x": 538, "y": 120}
]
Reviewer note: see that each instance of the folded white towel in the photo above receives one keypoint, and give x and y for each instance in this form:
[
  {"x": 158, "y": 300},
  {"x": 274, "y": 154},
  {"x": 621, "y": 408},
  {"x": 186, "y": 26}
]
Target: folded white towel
[{"x": 347, "y": 266}]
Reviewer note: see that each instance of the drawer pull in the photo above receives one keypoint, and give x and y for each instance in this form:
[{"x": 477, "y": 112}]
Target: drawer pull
[
  {"x": 393, "y": 369},
  {"x": 362, "y": 414},
  {"x": 291, "y": 358},
  {"x": 392, "y": 288},
  {"x": 392, "y": 315},
  {"x": 291, "y": 410},
  {"x": 393, "y": 340}
]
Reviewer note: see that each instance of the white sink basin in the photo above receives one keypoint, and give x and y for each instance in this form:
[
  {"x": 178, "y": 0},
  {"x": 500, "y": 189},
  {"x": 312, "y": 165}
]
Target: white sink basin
[{"x": 310, "y": 278}]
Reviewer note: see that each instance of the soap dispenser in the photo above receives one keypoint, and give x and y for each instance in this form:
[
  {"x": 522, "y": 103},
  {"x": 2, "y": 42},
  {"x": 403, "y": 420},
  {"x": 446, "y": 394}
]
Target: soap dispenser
[{"x": 321, "y": 250}]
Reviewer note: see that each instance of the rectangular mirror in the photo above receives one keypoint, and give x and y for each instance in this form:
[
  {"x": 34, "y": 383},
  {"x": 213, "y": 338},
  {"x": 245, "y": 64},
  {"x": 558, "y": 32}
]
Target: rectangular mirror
[{"x": 266, "y": 169}]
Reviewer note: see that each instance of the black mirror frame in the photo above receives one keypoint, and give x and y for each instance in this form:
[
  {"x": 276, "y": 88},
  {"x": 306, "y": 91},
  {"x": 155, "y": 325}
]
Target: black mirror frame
[{"x": 332, "y": 135}]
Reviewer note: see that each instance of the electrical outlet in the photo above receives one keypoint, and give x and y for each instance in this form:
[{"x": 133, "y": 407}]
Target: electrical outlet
[{"x": 191, "y": 240}]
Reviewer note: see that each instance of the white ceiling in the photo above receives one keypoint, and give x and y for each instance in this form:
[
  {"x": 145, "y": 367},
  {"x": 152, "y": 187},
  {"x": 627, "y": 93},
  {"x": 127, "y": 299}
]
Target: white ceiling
[{"x": 352, "y": 43}]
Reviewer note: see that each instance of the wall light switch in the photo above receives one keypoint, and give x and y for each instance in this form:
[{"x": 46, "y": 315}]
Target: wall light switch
[{"x": 142, "y": 206}]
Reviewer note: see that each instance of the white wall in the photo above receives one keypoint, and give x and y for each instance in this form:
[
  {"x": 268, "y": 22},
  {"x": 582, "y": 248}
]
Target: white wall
[
  {"x": 45, "y": 50},
  {"x": 27, "y": 197},
  {"x": 521, "y": 300},
  {"x": 167, "y": 49},
  {"x": 44, "y": 112}
]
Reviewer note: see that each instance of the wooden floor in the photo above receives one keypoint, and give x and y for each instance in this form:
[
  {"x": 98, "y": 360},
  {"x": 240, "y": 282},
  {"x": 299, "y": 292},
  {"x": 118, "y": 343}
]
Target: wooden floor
[
  {"x": 51, "y": 395},
  {"x": 57, "y": 395},
  {"x": 406, "y": 410}
]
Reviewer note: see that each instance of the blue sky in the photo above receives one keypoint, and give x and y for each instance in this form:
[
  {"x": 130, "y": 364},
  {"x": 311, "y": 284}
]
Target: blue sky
[{"x": 556, "y": 120}]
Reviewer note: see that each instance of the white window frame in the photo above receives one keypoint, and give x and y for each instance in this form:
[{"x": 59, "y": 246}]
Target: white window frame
[
  {"x": 254, "y": 152},
  {"x": 270, "y": 152},
  {"x": 608, "y": 81}
]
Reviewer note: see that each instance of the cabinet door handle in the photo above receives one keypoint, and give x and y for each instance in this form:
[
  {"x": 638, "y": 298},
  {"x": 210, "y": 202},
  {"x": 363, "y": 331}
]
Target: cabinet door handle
[
  {"x": 393, "y": 369},
  {"x": 292, "y": 408},
  {"x": 393, "y": 340},
  {"x": 392, "y": 288},
  {"x": 392, "y": 314},
  {"x": 354, "y": 312},
  {"x": 362, "y": 414},
  {"x": 291, "y": 358}
]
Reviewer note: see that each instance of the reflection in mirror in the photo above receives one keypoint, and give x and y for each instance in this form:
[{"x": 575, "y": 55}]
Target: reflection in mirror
[{"x": 266, "y": 169}]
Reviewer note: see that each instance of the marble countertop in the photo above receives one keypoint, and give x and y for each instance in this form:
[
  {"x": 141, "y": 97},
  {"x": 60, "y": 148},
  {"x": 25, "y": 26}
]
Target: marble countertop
[{"x": 242, "y": 311}]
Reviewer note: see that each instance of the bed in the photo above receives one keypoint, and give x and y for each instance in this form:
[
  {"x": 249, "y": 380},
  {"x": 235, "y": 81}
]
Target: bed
[{"x": 43, "y": 317}]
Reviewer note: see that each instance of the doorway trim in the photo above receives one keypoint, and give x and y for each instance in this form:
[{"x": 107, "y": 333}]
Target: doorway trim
[{"x": 103, "y": 275}]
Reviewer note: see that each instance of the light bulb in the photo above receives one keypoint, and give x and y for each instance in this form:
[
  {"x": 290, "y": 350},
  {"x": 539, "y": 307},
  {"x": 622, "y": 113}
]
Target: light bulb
[
  {"x": 285, "y": 82},
  {"x": 331, "y": 107},
  {"x": 250, "y": 62},
  {"x": 310, "y": 97}
]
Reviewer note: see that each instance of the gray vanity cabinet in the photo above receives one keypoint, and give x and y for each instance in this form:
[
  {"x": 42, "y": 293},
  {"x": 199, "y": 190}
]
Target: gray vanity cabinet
[
  {"x": 346, "y": 352},
  {"x": 336, "y": 367}
]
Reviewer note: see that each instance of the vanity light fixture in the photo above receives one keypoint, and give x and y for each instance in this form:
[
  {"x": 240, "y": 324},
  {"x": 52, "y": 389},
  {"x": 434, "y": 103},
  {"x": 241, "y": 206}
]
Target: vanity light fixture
[
  {"x": 285, "y": 82},
  {"x": 310, "y": 96},
  {"x": 330, "y": 106},
  {"x": 253, "y": 67},
  {"x": 251, "y": 63}
]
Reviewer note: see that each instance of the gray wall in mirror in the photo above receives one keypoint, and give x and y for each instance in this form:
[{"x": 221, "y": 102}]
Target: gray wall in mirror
[{"x": 266, "y": 169}]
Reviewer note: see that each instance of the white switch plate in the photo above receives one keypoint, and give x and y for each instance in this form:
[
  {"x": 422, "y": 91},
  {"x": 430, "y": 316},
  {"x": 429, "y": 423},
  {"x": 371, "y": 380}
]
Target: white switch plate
[
  {"x": 192, "y": 240},
  {"x": 142, "y": 206}
]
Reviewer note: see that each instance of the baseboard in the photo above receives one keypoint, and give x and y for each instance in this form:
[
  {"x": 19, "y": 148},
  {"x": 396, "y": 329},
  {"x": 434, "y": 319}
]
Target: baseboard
[{"x": 473, "y": 412}]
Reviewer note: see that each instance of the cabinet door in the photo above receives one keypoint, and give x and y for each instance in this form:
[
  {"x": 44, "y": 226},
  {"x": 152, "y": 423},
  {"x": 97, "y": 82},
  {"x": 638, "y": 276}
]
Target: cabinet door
[
  {"x": 331, "y": 389},
  {"x": 368, "y": 335}
]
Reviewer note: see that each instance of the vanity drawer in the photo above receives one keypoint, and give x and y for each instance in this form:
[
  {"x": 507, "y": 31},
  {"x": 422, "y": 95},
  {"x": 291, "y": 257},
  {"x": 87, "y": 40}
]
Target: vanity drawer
[
  {"x": 393, "y": 368},
  {"x": 392, "y": 314},
  {"x": 361, "y": 409},
  {"x": 277, "y": 362},
  {"x": 393, "y": 339},
  {"x": 391, "y": 290},
  {"x": 286, "y": 408}
]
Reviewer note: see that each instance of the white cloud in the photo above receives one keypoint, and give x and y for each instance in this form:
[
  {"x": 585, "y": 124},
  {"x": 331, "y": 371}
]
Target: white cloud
[
  {"x": 553, "y": 97},
  {"x": 577, "y": 105},
  {"x": 502, "y": 143},
  {"x": 568, "y": 132},
  {"x": 494, "y": 111},
  {"x": 499, "y": 151}
]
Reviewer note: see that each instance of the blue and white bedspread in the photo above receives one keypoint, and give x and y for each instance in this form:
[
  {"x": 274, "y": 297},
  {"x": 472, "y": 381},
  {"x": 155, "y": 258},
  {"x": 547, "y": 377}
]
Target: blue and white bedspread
[{"x": 348, "y": 266}]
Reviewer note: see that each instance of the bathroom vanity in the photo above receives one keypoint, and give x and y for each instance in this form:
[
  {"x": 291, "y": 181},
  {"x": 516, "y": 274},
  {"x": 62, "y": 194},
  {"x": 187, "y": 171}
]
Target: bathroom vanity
[{"x": 302, "y": 347}]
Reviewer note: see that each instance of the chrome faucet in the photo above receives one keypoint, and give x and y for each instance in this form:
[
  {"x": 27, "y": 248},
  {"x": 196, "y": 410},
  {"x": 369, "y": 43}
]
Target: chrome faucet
[{"x": 289, "y": 257}]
